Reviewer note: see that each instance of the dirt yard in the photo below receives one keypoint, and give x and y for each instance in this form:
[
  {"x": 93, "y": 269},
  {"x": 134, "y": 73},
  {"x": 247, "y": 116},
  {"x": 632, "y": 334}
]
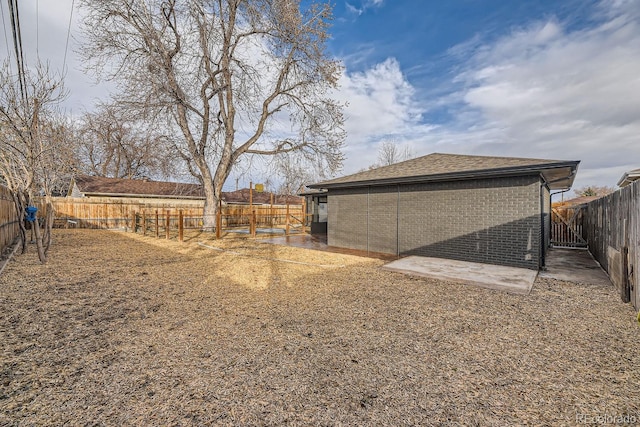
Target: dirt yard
[{"x": 129, "y": 330}]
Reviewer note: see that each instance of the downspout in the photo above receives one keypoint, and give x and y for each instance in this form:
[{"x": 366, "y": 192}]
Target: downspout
[
  {"x": 557, "y": 192},
  {"x": 542, "y": 248}
]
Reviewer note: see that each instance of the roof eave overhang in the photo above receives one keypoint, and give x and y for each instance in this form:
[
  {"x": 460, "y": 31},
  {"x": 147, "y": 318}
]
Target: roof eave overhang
[
  {"x": 567, "y": 170},
  {"x": 628, "y": 178}
]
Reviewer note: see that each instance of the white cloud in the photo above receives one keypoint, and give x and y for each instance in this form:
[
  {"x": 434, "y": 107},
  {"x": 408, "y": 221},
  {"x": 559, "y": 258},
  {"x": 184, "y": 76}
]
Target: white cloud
[
  {"x": 540, "y": 91},
  {"x": 544, "y": 92},
  {"x": 364, "y": 6},
  {"x": 44, "y": 27},
  {"x": 380, "y": 106}
]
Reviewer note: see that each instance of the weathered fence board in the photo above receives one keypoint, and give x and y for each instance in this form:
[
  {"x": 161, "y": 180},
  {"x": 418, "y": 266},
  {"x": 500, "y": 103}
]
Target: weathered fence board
[
  {"x": 9, "y": 225},
  {"x": 566, "y": 226},
  {"x": 118, "y": 213},
  {"x": 612, "y": 227}
]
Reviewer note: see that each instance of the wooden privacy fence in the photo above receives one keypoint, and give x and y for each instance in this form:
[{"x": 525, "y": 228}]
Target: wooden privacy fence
[
  {"x": 170, "y": 223},
  {"x": 567, "y": 225},
  {"x": 106, "y": 212},
  {"x": 155, "y": 217},
  {"x": 612, "y": 230},
  {"x": 9, "y": 221}
]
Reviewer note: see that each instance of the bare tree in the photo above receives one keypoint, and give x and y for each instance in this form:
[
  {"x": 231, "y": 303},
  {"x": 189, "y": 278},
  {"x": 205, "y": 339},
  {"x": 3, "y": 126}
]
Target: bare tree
[
  {"x": 235, "y": 77},
  {"x": 593, "y": 190},
  {"x": 114, "y": 145},
  {"x": 30, "y": 149},
  {"x": 390, "y": 153},
  {"x": 295, "y": 174}
]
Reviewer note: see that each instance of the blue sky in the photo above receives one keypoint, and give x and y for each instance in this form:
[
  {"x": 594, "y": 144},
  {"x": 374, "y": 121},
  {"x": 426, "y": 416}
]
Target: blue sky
[{"x": 541, "y": 78}]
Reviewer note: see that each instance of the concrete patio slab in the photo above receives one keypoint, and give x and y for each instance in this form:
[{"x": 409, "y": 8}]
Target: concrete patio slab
[
  {"x": 319, "y": 243},
  {"x": 510, "y": 279},
  {"x": 574, "y": 265}
]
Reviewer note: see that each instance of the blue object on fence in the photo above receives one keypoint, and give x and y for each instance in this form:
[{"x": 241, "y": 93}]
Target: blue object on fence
[{"x": 31, "y": 213}]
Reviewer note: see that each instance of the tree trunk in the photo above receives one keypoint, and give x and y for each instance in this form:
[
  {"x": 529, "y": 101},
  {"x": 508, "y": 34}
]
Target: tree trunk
[
  {"x": 48, "y": 226},
  {"x": 41, "y": 250},
  {"x": 20, "y": 209},
  {"x": 211, "y": 204}
]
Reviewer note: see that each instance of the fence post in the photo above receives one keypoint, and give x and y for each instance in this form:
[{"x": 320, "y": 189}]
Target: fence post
[
  {"x": 167, "y": 221},
  {"x": 287, "y": 221},
  {"x": 180, "y": 226},
  {"x": 144, "y": 223},
  {"x": 133, "y": 221},
  {"x": 252, "y": 225},
  {"x": 304, "y": 215},
  {"x": 218, "y": 224},
  {"x": 271, "y": 212},
  {"x": 157, "y": 224},
  {"x": 625, "y": 289}
]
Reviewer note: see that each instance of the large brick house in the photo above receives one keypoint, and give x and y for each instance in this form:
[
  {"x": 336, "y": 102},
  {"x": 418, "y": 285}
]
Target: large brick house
[{"x": 474, "y": 208}]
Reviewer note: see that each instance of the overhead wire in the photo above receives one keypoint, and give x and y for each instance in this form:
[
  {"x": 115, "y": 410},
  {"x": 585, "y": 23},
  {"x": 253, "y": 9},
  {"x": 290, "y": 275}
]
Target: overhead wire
[
  {"x": 6, "y": 38},
  {"x": 38, "y": 29},
  {"x": 66, "y": 46},
  {"x": 17, "y": 45},
  {"x": 22, "y": 65}
]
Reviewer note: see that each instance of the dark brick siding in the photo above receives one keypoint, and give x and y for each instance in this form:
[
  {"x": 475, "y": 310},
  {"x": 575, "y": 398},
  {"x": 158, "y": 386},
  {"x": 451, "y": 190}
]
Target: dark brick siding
[
  {"x": 383, "y": 219},
  {"x": 347, "y": 218},
  {"x": 494, "y": 221}
]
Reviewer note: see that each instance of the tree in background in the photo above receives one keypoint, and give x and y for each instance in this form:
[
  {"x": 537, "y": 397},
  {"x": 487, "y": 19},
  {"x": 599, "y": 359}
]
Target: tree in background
[
  {"x": 593, "y": 190},
  {"x": 33, "y": 149},
  {"x": 233, "y": 77},
  {"x": 294, "y": 174},
  {"x": 112, "y": 144},
  {"x": 390, "y": 152}
]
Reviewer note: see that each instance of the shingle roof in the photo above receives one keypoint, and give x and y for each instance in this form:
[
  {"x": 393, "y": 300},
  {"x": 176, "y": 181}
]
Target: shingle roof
[
  {"x": 439, "y": 166},
  {"x": 576, "y": 201},
  {"x": 264, "y": 198},
  {"x": 95, "y": 185},
  {"x": 121, "y": 186},
  {"x": 628, "y": 177}
]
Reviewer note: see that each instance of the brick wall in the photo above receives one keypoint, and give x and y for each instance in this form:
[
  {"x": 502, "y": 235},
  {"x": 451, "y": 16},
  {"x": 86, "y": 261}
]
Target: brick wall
[
  {"x": 347, "y": 222},
  {"x": 490, "y": 220},
  {"x": 383, "y": 219}
]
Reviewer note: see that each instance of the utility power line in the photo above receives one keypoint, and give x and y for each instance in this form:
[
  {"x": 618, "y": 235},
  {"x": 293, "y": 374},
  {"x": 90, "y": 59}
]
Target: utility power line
[
  {"x": 66, "y": 46},
  {"x": 6, "y": 38},
  {"x": 17, "y": 45}
]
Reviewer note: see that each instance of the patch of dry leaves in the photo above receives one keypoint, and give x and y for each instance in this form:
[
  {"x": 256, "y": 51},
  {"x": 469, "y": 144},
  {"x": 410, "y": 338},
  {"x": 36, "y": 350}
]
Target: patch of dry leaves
[{"x": 122, "y": 329}]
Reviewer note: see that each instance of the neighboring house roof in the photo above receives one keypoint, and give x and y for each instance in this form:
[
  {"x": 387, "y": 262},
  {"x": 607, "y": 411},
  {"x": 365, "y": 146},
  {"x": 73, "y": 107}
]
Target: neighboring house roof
[
  {"x": 101, "y": 186},
  {"x": 84, "y": 185},
  {"x": 313, "y": 192},
  {"x": 264, "y": 198},
  {"x": 559, "y": 174},
  {"x": 629, "y": 177},
  {"x": 576, "y": 201}
]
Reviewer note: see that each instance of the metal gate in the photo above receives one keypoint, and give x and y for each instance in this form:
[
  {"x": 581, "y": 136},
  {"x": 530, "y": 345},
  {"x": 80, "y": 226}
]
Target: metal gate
[{"x": 566, "y": 226}]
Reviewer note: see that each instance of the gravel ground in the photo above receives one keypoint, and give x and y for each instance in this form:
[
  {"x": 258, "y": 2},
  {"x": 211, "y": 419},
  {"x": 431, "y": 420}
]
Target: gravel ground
[{"x": 128, "y": 330}]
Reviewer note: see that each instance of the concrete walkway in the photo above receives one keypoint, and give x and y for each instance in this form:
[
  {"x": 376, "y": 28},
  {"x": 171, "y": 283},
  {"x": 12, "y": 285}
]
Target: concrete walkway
[
  {"x": 574, "y": 265},
  {"x": 571, "y": 265},
  {"x": 510, "y": 279}
]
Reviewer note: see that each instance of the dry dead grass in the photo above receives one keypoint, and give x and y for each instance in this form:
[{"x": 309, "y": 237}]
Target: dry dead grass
[{"x": 128, "y": 330}]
